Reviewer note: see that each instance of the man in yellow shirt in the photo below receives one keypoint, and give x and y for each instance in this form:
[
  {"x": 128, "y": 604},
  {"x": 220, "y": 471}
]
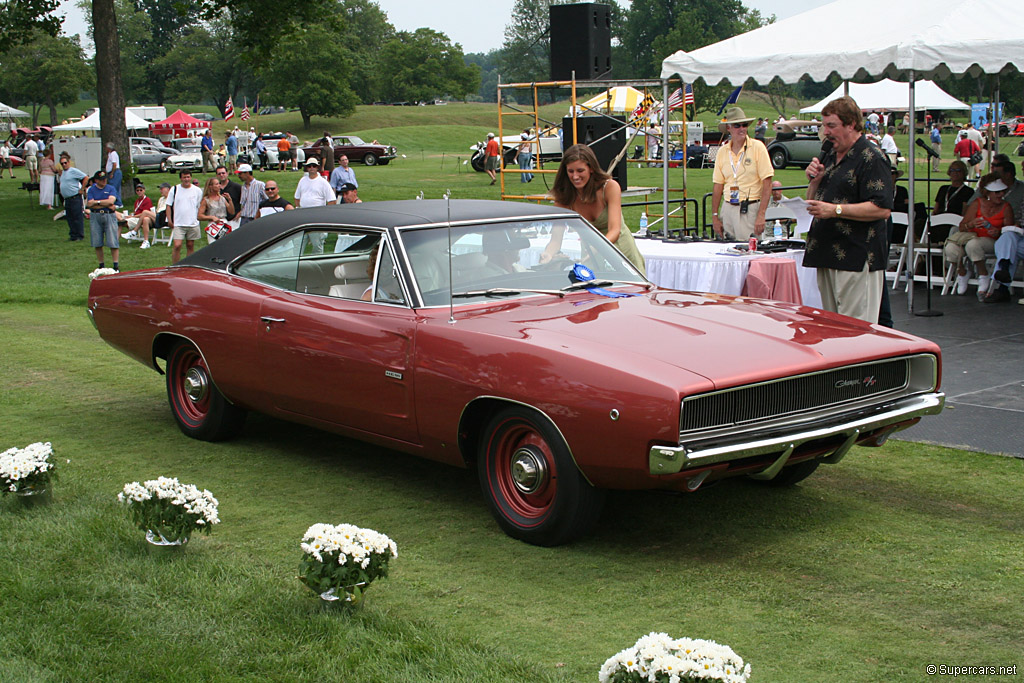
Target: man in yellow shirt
[{"x": 743, "y": 175}]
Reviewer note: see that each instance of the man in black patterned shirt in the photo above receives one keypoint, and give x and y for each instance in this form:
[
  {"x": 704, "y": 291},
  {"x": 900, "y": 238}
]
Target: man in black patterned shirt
[{"x": 850, "y": 197}]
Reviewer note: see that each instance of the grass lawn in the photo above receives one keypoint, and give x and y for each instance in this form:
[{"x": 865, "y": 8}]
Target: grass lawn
[{"x": 870, "y": 570}]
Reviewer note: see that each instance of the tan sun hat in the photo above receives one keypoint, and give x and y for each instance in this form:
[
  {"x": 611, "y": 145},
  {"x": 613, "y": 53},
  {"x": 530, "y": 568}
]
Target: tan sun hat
[{"x": 733, "y": 115}]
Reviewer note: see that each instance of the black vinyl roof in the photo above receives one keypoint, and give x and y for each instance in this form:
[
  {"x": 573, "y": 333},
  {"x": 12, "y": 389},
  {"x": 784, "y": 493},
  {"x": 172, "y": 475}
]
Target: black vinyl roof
[{"x": 391, "y": 214}]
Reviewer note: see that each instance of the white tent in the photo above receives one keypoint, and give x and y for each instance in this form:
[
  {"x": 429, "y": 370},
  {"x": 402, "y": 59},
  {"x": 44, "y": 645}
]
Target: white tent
[
  {"x": 894, "y": 96},
  {"x": 8, "y": 112},
  {"x": 92, "y": 123},
  {"x": 859, "y": 38},
  {"x": 621, "y": 99},
  {"x": 867, "y": 38}
]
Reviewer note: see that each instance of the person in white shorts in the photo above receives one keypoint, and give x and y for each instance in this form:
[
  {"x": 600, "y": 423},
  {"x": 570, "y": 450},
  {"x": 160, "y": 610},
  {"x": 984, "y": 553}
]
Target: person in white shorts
[{"x": 183, "y": 215}]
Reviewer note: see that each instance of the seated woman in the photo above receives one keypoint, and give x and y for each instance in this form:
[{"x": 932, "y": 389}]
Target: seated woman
[
  {"x": 979, "y": 229},
  {"x": 953, "y": 198}
]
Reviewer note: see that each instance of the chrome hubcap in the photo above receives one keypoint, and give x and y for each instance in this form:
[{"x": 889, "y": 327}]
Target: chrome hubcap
[
  {"x": 196, "y": 384},
  {"x": 529, "y": 470}
]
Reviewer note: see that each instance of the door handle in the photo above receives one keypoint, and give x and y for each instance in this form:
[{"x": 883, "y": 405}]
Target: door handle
[{"x": 267, "y": 320}]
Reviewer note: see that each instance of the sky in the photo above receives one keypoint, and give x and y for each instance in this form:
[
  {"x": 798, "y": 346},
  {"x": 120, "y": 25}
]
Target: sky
[{"x": 477, "y": 25}]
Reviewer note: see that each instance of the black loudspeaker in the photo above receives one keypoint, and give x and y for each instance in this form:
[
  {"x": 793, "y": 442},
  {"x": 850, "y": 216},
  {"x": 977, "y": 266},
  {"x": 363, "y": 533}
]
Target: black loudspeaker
[
  {"x": 596, "y": 133},
  {"x": 581, "y": 41}
]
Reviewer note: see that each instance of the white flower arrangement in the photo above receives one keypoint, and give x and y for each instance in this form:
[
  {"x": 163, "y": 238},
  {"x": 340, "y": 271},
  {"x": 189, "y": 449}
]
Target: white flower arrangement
[
  {"x": 170, "y": 508},
  {"x": 657, "y": 658},
  {"x": 344, "y": 557},
  {"x": 23, "y": 469},
  {"x": 101, "y": 271}
]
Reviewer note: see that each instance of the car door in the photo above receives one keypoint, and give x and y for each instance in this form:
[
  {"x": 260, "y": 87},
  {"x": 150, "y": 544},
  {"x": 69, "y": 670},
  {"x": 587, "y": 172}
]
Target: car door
[{"x": 327, "y": 355}]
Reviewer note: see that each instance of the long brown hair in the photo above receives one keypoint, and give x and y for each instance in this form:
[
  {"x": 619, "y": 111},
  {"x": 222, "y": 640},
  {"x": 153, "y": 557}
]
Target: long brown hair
[
  {"x": 209, "y": 184},
  {"x": 562, "y": 189}
]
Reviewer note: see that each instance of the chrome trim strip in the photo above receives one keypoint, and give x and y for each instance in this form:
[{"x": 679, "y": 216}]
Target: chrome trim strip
[{"x": 673, "y": 459}]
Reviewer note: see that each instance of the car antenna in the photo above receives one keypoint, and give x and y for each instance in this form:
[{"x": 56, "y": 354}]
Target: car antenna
[{"x": 451, "y": 297}]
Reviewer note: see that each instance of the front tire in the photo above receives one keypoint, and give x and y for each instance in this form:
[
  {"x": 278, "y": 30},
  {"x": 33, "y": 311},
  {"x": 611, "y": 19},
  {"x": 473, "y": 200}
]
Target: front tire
[
  {"x": 199, "y": 408},
  {"x": 370, "y": 159},
  {"x": 532, "y": 486},
  {"x": 779, "y": 158}
]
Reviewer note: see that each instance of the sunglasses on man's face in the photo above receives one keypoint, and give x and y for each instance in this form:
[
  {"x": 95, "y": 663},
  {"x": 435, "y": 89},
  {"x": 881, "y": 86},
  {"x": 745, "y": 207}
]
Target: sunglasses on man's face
[{"x": 739, "y": 125}]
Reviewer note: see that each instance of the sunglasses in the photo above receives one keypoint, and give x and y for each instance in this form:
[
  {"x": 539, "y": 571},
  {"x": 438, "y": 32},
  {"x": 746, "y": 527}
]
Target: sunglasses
[
  {"x": 271, "y": 189},
  {"x": 737, "y": 125}
]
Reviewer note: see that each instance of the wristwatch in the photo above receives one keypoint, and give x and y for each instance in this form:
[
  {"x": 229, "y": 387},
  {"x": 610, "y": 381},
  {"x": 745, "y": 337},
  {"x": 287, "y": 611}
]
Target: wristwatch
[{"x": 839, "y": 209}]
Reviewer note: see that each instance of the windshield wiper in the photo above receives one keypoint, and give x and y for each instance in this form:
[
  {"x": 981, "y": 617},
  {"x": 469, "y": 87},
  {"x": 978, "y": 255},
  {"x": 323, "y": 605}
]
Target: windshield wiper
[
  {"x": 502, "y": 291},
  {"x": 603, "y": 283}
]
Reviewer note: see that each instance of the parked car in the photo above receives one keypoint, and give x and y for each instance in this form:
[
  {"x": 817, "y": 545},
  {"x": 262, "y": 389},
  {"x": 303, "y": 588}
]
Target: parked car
[
  {"x": 1011, "y": 126},
  {"x": 796, "y": 149},
  {"x": 556, "y": 381},
  {"x": 152, "y": 142},
  {"x": 270, "y": 140},
  {"x": 149, "y": 158},
  {"x": 190, "y": 155},
  {"x": 355, "y": 149},
  {"x": 550, "y": 149},
  {"x": 203, "y": 116},
  {"x": 266, "y": 111}
]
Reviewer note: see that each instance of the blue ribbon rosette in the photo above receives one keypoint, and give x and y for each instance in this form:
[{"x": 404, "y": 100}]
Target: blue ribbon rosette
[{"x": 581, "y": 273}]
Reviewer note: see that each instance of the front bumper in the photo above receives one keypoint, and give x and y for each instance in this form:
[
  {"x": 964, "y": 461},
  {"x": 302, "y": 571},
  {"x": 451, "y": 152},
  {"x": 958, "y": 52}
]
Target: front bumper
[{"x": 666, "y": 460}]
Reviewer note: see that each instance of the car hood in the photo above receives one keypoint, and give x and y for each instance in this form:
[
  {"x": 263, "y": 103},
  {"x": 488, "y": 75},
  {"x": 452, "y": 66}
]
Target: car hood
[{"x": 727, "y": 340}]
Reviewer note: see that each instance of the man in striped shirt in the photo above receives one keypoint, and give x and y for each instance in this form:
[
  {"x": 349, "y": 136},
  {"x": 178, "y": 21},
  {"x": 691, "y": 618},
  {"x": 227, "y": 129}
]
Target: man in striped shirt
[{"x": 253, "y": 193}]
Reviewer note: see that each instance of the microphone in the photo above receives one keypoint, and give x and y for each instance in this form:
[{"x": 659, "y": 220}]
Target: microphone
[
  {"x": 931, "y": 152},
  {"x": 826, "y": 147}
]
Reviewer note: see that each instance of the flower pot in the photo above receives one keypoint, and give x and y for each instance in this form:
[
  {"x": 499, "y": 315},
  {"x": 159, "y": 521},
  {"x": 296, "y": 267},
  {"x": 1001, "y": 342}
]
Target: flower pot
[
  {"x": 348, "y": 597},
  {"x": 33, "y": 496},
  {"x": 158, "y": 543}
]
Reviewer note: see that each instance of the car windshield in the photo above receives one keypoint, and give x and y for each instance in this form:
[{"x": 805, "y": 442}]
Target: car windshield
[
  {"x": 349, "y": 140},
  {"x": 519, "y": 258}
]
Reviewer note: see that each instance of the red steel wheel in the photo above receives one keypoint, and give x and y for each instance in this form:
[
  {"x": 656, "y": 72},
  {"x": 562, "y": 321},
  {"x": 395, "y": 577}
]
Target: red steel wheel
[
  {"x": 199, "y": 408},
  {"x": 532, "y": 486}
]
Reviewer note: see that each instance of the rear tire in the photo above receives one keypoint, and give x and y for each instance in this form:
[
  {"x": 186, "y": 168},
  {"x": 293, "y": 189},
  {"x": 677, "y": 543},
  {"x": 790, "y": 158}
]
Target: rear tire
[
  {"x": 199, "y": 408},
  {"x": 532, "y": 486}
]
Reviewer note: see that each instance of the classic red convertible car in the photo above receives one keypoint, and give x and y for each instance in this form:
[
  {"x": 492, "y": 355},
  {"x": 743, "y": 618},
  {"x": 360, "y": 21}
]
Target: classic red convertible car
[{"x": 440, "y": 330}]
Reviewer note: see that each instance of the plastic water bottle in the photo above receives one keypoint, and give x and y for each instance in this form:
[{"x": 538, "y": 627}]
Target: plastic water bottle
[
  {"x": 643, "y": 223},
  {"x": 778, "y": 230}
]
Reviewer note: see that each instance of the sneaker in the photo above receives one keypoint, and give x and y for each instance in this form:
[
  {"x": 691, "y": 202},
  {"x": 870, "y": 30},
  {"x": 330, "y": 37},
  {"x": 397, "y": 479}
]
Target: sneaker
[
  {"x": 961, "y": 283},
  {"x": 984, "y": 283},
  {"x": 145, "y": 244},
  {"x": 1003, "y": 273},
  {"x": 130, "y": 235},
  {"x": 57, "y": 216}
]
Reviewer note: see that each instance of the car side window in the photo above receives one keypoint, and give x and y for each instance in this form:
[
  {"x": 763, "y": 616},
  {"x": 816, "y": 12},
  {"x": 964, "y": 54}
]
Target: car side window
[
  {"x": 276, "y": 265},
  {"x": 387, "y": 288}
]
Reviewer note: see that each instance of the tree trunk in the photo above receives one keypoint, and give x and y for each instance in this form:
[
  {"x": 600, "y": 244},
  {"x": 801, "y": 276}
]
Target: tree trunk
[
  {"x": 306, "y": 119},
  {"x": 109, "y": 91},
  {"x": 53, "y": 110}
]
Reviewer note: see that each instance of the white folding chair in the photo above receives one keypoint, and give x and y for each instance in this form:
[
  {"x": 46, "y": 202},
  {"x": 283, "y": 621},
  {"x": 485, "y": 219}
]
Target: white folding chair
[
  {"x": 900, "y": 218},
  {"x": 781, "y": 213},
  {"x": 709, "y": 156},
  {"x": 930, "y": 248}
]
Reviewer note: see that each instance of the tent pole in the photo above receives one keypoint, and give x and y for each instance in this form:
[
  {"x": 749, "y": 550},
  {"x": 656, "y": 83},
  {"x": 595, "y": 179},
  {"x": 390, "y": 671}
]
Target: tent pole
[
  {"x": 994, "y": 127},
  {"x": 910, "y": 208},
  {"x": 665, "y": 156}
]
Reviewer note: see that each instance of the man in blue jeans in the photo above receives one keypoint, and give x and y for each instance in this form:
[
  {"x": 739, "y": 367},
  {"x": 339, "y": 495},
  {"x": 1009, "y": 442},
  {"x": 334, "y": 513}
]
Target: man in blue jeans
[
  {"x": 72, "y": 185},
  {"x": 101, "y": 201}
]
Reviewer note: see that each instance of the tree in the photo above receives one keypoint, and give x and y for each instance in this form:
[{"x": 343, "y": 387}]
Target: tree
[
  {"x": 425, "y": 65},
  {"x": 489, "y": 64},
  {"x": 203, "y": 66},
  {"x": 45, "y": 72},
  {"x": 365, "y": 31},
  {"x": 23, "y": 20},
  {"x": 656, "y": 28},
  {"x": 310, "y": 71}
]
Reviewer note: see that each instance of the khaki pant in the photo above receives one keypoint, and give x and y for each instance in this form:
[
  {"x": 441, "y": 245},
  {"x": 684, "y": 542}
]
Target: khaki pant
[
  {"x": 856, "y": 294},
  {"x": 975, "y": 247},
  {"x": 738, "y": 226}
]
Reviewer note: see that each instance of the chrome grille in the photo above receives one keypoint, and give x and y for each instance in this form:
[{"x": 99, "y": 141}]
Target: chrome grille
[{"x": 793, "y": 395}]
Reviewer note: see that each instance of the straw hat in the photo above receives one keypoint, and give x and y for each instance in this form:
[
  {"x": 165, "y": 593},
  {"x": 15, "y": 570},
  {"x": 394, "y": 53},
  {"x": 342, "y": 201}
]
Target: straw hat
[{"x": 733, "y": 115}]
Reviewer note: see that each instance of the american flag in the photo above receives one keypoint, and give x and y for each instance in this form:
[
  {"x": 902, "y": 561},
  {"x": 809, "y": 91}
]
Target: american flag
[
  {"x": 677, "y": 100},
  {"x": 245, "y": 113},
  {"x": 229, "y": 110}
]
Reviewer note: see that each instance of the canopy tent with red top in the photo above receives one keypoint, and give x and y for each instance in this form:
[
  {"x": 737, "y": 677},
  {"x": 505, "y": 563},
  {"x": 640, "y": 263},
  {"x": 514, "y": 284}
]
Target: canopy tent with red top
[{"x": 177, "y": 124}]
